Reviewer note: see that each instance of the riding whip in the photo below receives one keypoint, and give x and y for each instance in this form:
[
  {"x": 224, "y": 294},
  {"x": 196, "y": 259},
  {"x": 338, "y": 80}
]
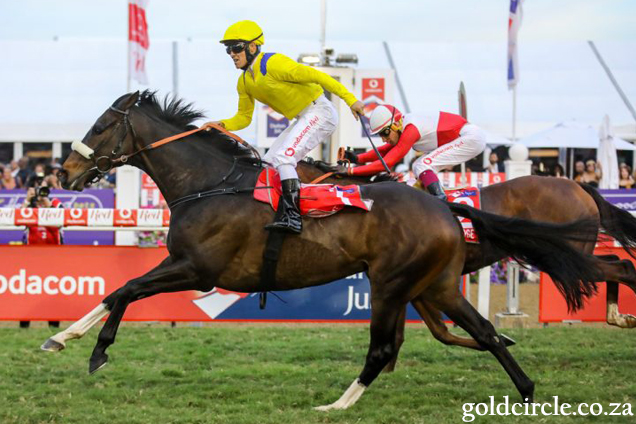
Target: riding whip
[{"x": 364, "y": 128}]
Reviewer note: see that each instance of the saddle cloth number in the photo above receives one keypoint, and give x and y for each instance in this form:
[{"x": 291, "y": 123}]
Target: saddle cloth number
[{"x": 470, "y": 197}]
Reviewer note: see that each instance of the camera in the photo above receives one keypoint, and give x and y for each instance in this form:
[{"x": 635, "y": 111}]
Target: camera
[{"x": 40, "y": 190}]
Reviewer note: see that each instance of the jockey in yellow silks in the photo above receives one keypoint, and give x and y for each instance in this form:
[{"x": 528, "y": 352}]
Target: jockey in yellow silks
[{"x": 293, "y": 90}]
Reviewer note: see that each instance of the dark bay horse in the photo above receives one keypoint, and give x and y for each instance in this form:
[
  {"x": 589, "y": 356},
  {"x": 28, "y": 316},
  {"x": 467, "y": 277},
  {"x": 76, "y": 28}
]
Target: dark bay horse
[
  {"x": 544, "y": 199},
  {"x": 410, "y": 244}
]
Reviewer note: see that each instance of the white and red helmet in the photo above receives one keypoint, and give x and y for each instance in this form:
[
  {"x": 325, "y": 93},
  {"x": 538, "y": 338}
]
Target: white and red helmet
[{"x": 384, "y": 116}]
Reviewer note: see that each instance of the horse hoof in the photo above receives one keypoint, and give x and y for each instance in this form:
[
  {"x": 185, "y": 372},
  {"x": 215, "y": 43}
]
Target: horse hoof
[
  {"x": 507, "y": 340},
  {"x": 52, "y": 346},
  {"x": 96, "y": 364},
  {"x": 326, "y": 408}
]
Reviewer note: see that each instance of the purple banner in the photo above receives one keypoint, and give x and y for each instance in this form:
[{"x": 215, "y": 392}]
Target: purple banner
[
  {"x": 87, "y": 199},
  {"x": 276, "y": 124},
  {"x": 624, "y": 199}
]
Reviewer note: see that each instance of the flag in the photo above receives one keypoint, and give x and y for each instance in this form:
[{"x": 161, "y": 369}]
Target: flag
[
  {"x": 138, "y": 41},
  {"x": 514, "y": 23}
]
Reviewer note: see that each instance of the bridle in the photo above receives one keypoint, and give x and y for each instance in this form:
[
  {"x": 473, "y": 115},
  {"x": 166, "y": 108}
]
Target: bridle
[{"x": 104, "y": 164}]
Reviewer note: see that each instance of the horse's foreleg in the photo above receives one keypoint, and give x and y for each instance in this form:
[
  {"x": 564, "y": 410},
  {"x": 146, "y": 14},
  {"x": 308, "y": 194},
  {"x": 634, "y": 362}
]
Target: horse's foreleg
[
  {"x": 384, "y": 317},
  {"x": 76, "y": 330},
  {"x": 167, "y": 277}
]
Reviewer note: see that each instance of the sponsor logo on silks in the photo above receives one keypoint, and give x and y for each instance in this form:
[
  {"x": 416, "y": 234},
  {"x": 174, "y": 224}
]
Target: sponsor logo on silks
[
  {"x": 313, "y": 121},
  {"x": 427, "y": 161},
  {"x": 290, "y": 152}
]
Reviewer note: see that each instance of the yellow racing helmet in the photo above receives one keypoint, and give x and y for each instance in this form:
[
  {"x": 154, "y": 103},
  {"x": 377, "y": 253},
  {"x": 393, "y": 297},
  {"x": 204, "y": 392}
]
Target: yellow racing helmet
[{"x": 247, "y": 31}]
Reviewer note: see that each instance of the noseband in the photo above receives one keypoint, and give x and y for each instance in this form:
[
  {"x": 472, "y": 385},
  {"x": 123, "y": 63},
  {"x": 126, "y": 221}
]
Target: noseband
[{"x": 104, "y": 164}]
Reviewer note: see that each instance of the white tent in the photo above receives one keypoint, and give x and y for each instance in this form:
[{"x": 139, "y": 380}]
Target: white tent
[
  {"x": 571, "y": 134},
  {"x": 496, "y": 140}
]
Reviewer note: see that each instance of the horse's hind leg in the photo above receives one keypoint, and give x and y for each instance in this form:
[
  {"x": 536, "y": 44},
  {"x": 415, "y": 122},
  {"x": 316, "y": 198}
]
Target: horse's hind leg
[
  {"x": 385, "y": 312},
  {"x": 616, "y": 270},
  {"x": 433, "y": 319},
  {"x": 462, "y": 313},
  {"x": 399, "y": 340},
  {"x": 167, "y": 277}
]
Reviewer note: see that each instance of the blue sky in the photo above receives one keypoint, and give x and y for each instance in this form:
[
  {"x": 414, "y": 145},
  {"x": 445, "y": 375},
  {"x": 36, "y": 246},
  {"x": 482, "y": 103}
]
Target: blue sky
[{"x": 398, "y": 20}]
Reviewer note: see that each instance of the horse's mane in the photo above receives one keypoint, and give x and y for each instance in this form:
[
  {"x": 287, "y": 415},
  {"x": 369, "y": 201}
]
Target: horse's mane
[{"x": 180, "y": 114}]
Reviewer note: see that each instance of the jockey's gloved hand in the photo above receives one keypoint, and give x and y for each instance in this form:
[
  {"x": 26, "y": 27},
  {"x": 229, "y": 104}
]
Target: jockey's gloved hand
[
  {"x": 385, "y": 176},
  {"x": 341, "y": 172},
  {"x": 350, "y": 156}
]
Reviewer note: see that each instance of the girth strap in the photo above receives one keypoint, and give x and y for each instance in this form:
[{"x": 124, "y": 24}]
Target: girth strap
[{"x": 271, "y": 254}]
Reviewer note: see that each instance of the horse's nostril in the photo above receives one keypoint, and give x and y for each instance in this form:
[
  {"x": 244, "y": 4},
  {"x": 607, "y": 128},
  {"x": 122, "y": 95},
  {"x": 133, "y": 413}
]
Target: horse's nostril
[{"x": 62, "y": 175}]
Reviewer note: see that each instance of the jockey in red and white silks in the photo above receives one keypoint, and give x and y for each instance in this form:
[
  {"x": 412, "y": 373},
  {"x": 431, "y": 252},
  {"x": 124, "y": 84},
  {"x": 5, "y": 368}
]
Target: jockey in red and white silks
[{"x": 446, "y": 138}]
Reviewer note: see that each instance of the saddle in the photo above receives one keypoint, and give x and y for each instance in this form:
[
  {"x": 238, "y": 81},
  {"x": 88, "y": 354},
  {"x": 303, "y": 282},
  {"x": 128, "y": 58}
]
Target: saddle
[{"x": 316, "y": 200}]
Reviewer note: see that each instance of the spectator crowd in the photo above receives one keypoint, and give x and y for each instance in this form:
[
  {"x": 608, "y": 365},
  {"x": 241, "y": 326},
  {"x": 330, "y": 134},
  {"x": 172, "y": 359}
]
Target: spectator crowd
[{"x": 19, "y": 174}]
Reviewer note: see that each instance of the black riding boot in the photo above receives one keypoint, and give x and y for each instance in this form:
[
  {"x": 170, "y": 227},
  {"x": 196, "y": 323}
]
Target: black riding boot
[
  {"x": 436, "y": 190},
  {"x": 288, "y": 217}
]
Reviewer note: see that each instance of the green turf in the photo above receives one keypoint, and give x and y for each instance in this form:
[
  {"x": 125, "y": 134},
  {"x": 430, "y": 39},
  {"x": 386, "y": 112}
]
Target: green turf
[{"x": 276, "y": 375}]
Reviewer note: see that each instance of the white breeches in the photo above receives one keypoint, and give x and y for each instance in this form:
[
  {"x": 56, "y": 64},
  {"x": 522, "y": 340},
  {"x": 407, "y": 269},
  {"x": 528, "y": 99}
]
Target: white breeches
[
  {"x": 471, "y": 142},
  {"x": 313, "y": 125}
]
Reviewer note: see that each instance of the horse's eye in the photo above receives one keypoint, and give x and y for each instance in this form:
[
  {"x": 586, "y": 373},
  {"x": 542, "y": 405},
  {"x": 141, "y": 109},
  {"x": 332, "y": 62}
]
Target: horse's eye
[{"x": 98, "y": 129}]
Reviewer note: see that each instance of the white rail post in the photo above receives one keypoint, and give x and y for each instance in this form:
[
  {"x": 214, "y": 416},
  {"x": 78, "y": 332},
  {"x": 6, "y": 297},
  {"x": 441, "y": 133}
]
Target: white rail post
[
  {"x": 512, "y": 289},
  {"x": 483, "y": 292},
  {"x": 128, "y": 187}
]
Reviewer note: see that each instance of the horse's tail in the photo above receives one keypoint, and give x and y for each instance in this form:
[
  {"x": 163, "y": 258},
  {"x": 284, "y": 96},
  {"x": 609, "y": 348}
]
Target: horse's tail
[
  {"x": 616, "y": 222},
  {"x": 546, "y": 246}
]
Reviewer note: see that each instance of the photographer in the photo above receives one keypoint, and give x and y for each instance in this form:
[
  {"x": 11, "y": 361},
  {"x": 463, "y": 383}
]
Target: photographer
[
  {"x": 38, "y": 196},
  {"x": 38, "y": 192}
]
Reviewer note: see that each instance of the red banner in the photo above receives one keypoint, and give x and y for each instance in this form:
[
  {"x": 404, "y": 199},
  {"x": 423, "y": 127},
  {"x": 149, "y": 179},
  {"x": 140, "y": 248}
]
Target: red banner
[
  {"x": 138, "y": 40},
  {"x": 63, "y": 283},
  {"x": 552, "y": 306}
]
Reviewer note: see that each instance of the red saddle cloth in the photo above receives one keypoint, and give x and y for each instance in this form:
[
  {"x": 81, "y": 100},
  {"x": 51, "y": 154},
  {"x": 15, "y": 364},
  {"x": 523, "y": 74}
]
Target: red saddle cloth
[
  {"x": 316, "y": 200},
  {"x": 468, "y": 196}
]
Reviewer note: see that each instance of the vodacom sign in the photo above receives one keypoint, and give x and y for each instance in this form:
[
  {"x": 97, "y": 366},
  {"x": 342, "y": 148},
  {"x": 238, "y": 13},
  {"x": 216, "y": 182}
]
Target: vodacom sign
[
  {"x": 62, "y": 283},
  {"x": 24, "y": 283}
]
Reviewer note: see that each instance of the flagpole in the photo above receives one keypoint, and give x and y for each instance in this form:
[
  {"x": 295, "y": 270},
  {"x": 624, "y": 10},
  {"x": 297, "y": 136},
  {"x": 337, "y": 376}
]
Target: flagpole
[
  {"x": 128, "y": 51},
  {"x": 514, "y": 113}
]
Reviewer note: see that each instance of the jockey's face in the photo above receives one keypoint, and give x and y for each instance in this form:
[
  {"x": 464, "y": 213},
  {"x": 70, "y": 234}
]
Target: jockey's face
[
  {"x": 240, "y": 59},
  {"x": 392, "y": 138}
]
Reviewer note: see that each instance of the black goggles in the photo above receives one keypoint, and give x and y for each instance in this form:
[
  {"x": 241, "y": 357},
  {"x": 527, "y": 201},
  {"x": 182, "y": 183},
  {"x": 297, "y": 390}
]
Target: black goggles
[
  {"x": 385, "y": 132},
  {"x": 236, "y": 48}
]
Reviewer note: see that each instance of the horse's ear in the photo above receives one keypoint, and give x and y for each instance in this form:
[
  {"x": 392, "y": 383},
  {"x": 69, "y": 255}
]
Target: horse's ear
[{"x": 127, "y": 101}]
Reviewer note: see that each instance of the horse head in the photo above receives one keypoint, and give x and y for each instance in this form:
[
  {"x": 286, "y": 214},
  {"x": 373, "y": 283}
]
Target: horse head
[{"x": 104, "y": 146}]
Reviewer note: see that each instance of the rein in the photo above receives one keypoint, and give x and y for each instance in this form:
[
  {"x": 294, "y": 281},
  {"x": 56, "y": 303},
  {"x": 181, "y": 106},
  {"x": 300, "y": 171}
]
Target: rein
[
  {"x": 124, "y": 158},
  {"x": 211, "y": 193},
  {"x": 322, "y": 177},
  {"x": 104, "y": 164}
]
